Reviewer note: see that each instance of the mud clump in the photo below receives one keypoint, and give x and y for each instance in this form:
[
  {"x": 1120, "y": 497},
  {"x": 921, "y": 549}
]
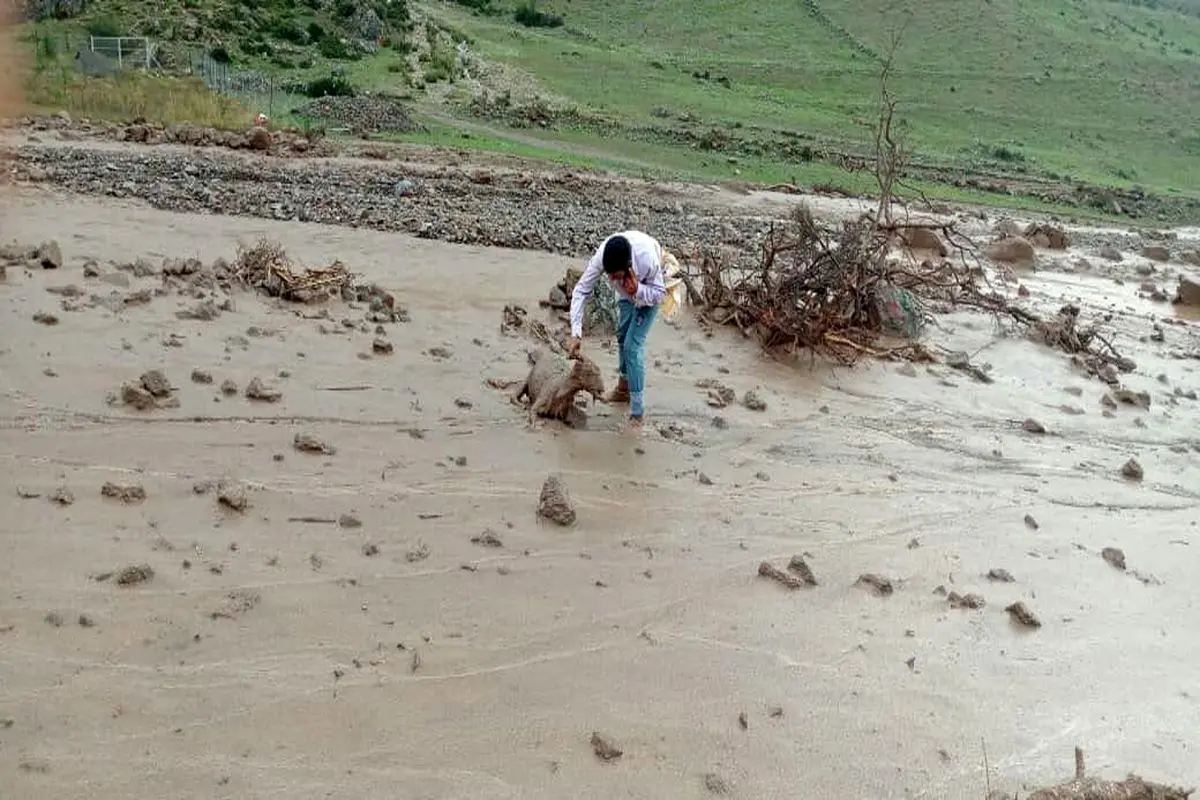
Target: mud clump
[
  {"x": 1021, "y": 615},
  {"x": 553, "y": 383},
  {"x": 307, "y": 443},
  {"x": 201, "y": 376},
  {"x": 876, "y": 584},
  {"x": 555, "y": 503},
  {"x": 604, "y": 748},
  {"x": 134, "y": 575},
  {"x": 718, "y": 394},
  {"x": 487, "y": 539},
  {"x": 1011, "y": 250},
  {"x": 259, "y": 391},
  {"x": 126, "y": 493},
  {"x": 62, "y": 496}
]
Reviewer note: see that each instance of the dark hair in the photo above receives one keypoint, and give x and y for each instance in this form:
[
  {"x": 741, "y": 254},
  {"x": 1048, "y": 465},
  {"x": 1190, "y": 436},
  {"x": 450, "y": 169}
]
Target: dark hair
[{"x": 618, "y": 255}]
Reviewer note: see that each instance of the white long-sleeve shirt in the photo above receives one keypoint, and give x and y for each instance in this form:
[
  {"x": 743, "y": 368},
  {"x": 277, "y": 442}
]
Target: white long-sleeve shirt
[{"x": 647, "y": 267}]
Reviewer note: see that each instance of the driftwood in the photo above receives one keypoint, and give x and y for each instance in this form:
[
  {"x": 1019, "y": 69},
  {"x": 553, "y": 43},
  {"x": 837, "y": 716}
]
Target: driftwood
[
  {"x": 267, "y": 268},
  {"x": 1082, "y": 787}
]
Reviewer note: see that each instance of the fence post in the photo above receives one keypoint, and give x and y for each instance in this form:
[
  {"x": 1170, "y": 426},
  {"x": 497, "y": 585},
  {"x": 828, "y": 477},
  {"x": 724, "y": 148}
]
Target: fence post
[{"x": 120, "y": 59}]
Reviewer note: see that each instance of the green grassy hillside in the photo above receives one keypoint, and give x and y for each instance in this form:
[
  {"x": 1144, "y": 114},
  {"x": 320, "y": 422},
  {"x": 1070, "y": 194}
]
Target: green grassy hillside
[{"x": 1046, "y": 92}]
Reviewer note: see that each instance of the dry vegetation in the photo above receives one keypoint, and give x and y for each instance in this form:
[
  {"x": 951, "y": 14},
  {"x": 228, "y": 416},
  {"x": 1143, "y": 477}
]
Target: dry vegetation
[{"x": 134, "y": 95}]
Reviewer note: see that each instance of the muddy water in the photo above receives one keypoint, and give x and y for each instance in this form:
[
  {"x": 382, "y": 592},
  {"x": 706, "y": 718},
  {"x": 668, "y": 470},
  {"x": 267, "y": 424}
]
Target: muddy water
[{"x": 645, "y": 622}]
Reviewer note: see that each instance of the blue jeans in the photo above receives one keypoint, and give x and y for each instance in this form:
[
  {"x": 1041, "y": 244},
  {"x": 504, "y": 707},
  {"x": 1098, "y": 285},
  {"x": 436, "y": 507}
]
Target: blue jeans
[{"x": 633, "y": 324}]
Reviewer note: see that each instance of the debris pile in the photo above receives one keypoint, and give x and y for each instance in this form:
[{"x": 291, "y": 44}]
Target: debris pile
[
  {"x": 363, "y": 114},
  {"x": 267, "y": 268}
]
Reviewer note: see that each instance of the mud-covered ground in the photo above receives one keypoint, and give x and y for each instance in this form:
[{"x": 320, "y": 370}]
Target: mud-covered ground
[{"x": 350, "y": 591}]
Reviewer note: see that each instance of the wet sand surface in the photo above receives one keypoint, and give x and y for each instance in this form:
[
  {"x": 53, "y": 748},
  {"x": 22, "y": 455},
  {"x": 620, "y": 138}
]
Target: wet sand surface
[{"x": 272, "y": 657}]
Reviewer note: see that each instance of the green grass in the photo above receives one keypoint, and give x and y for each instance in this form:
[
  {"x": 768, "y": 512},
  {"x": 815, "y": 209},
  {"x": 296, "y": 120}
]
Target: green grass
[{"x": 1085, "y": 88}]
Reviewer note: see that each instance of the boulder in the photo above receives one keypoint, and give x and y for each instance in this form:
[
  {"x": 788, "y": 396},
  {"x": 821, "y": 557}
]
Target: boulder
[
  {"x": 1188, "y": 293},
  {"x": 924, "y": 239},
  {"x": 1047, "y": 236},
  {"x": 1156, "y": 252},
  {"x": 1011, "y": 250},
  {"x": 1190, "y": 257},
  {"x": 1110, "y": 253}
]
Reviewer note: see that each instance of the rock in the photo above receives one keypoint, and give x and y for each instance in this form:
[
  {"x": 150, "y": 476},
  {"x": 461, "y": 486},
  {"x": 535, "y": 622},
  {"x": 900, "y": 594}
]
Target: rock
[
  {"x": 715, "y": 784},
  {"x": 487, "y": 539},
  {"x": 349, "y": 522},
  {"x": 205, "y": 311},
  {"x": 1033, "y": 426},
  {"x": 799, "y": 567},
  {"x": 1156, "y": 252},
  {"x": 156, "y": 383},
  {"x": 1132, "y": 470},
  {"x": 381, "y": 346},
  {"x": 49, "y": 256},
  {"x": 258, "y": 138},
  {"x": 554, "y": 503},
  {"x": 1188, "y": 293},
  {"x": 126, "y": 493},
  {"x": 232, "y": 495},
  {"x": 1131, "y": 398},
  {"x": 1021, "y": 615},
  {"x": 969, "y": 601},
  {"x": 62, "y": 496},
  {"x": 307, "y": 443},
  {"x": 134, "y": 575},
  {"x": 1190, "y": 257},
  {"x": 604, "y": 748},
  {"x": 1050, "y": 236},
  {"x": 998, "y": 575},
  {"x": 228, "y": 387},
  {"x": 1114, "y": 556},
  {"x": 201, "y": 376},
  {"x": 45, "y": 318},
  {"x": 1011, "y": 250},
  {"x": 877, "y": 584},
  {"x": 137, "y": 397},
  {"x": 1031, "y": 523},
  {"x": 1109, "y": 253},
  {"x": 924, "y": 239},
  {"x": 753, "y": 401},
  {"x": 257, "y": 390}
]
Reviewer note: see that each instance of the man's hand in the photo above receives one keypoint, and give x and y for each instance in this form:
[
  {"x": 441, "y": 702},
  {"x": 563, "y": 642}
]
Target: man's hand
[
  {"x": 573, "y": 347},
  {"x": 630, "y": 283}
]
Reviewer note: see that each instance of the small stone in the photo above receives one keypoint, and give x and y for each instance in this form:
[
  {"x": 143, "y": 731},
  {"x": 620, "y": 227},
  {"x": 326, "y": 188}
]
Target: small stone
[
  {"x": 1021, "y": 614},
  {"x": 86, "y": 622},
  {"x": 799, "y": 567},
  {"x": 604, "y": 748},
  {"x": 53, "y": 619},
  {"x": 965, "y": 601},
  {"x": 876, "y": 584},
  {"x": 126, "y": 493},
  {"x": 44, "y": 318},
  {"x": 308, "y": 443},
  {"x": 487, "y": 539},
  {"x": 134, "y": 575},
  {"x": 998, "y": 575},
  {"x": 232, "y": 495},
  {"x": 201, "y": 376},
  {"x": 715, "y": 783},
  {"x": 1031, "y": 523},
  {"x": 228, "y": 387},
  {"x": 1133, "y": 470},
  {"x": 382, "y": 346},
  {"x": 369, "y": 550},
  {"x": 704, "y": 479},
  {"x": 1033, "y": 426},
  {"x": 1114, "y": 556},
  {"x": 156, "y": 383},
  {"x": 257, "y": 390},
  {"x": 418, "y": 552},
  {"x": 753, "y": 401},
  {"x": 49, "y": 255},
  {"x": 349, "y": 521},
  {"x": 62, "y": 496},
  {"x": 554, "y": 503}
]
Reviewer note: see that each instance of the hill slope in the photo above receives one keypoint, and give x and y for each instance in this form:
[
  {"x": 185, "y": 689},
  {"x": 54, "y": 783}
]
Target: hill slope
[{"x": 1068, "y": 91}]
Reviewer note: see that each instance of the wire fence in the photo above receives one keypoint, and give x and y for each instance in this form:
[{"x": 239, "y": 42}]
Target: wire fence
[{"x": 102, "y": 56}]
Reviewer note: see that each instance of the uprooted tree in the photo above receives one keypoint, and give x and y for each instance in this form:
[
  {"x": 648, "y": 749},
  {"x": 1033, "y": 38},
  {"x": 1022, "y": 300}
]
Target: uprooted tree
[{"x": 843, "y": 292}]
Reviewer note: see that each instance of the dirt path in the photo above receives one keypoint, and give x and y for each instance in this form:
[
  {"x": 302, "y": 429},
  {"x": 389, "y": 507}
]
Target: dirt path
[{"x": 345, "y": 636}]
